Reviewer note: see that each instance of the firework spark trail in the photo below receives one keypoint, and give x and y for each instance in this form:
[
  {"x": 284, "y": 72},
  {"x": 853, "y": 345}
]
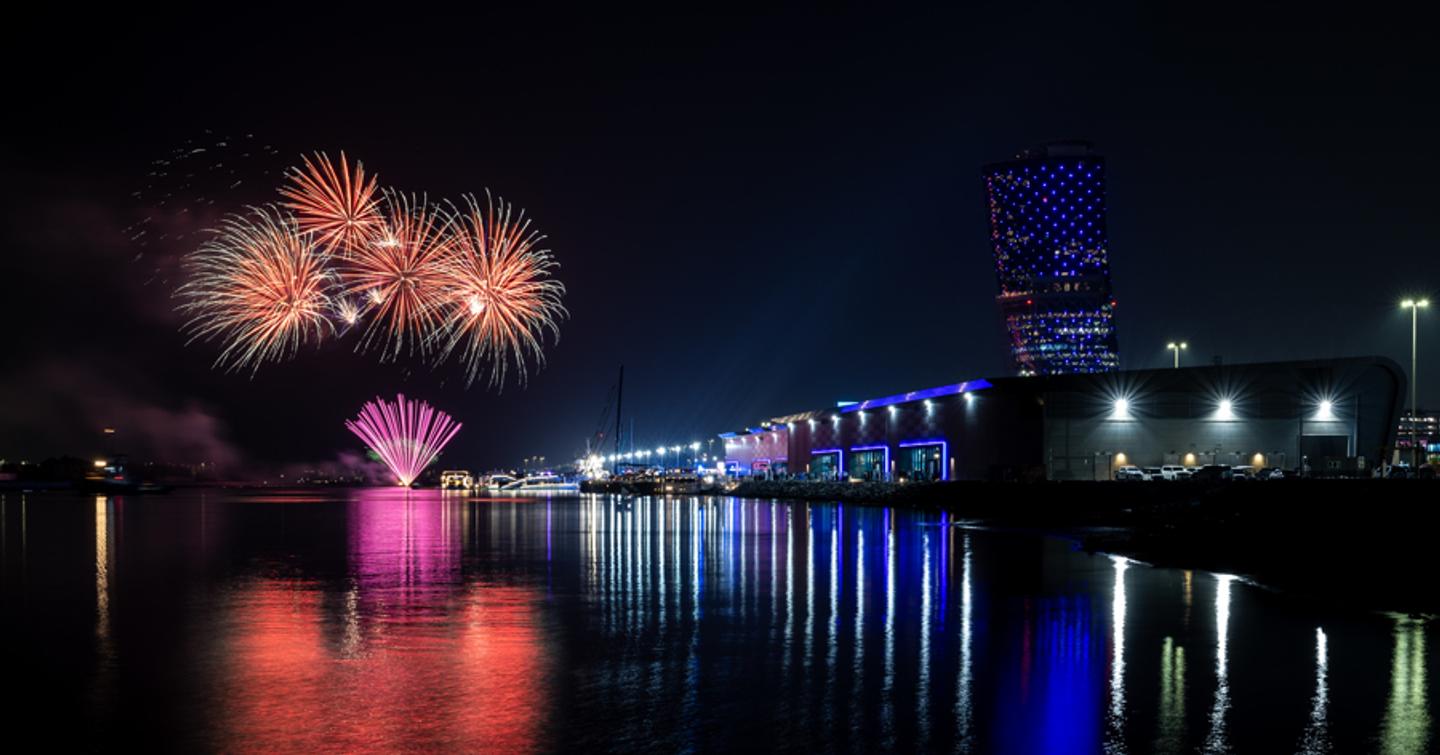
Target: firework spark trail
[
  {"x": 400, "y": 274},
  {"x": 338, "y": 205},
  {"x": 407, "y": 435},
  {"x": 499, "y": 297},
  {"x": 258, "y": 286}
]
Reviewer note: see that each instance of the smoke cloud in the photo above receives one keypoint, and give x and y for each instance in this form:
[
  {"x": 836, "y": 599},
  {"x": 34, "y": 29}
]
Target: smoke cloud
[{"x": 62, "y": 407}]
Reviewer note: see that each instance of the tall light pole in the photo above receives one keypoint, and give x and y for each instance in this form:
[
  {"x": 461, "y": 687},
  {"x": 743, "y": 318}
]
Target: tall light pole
[
  {"x": 1177, "y": 348},
  {"x": 1414, "y": 306}
]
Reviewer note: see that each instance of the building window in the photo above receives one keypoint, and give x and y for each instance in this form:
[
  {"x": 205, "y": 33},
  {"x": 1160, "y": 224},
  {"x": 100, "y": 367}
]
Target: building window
[
  {"x": 825, "y": 465},
  {"x": 922, "y": 462},
  {"x": 869, "y": 463}
]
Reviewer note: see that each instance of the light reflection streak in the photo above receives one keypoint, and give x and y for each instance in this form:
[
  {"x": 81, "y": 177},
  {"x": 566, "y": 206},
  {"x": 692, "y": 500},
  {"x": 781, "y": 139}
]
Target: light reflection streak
[
  {"x": 833, "y": 624},
  {"x": 922, "y": 693},
  {"x": 888, "y": 694},
  {"x": 809, "y": 596},
  {"x": 789, "y": 590},
  {"x": 774, "y": 579},
  {"x": 1172, "y": 697},
  {"x": 744, "y": 573},
  {"x": 1406, "y": 728},
  {"x": 102, "y": 574},
  {"x": 1189, "y": 595},
  {"x": 859, "y": 613},
  {"x": 1317, "y": 732},
  {"x": 964, "y": 706},
  {"x": 692, "y": 650},
  {"x": 1115, "y": 725},
  {"x": 105, "y": 560},
  {"x": 660, "y": 547},
  {"x": 1217, "y": 740}
]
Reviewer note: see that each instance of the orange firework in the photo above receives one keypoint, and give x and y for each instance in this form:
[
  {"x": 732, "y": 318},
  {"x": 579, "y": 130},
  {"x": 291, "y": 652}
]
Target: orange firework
[
  {"x": 259, "y": 286},
  {"x": 499, "y": 298},
  {"x": 338, "y": 206},
  {"x": 399, "y": 274}
]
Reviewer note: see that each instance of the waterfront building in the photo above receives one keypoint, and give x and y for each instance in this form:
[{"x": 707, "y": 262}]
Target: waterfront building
[
  {"x": 1334, "y": 416},
  {"x": 1421, "y": 428},
  {"x": 1052, "y": 264}
]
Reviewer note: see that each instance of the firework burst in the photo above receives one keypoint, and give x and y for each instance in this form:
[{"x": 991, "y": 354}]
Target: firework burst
[
  {"x": 339, "y": 205},
  {"x": 260, "y": 287},
  {"x": 422, "y": 276},
  {"x": 406, "y": 435},
  {"x": 499, "y": 298},
  {"x": 400, "y": 274}
]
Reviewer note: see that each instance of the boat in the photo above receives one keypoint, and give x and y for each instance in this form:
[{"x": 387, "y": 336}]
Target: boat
[
  {"x": 547, "y": 483},
  {"x": 497, "y": 482}
]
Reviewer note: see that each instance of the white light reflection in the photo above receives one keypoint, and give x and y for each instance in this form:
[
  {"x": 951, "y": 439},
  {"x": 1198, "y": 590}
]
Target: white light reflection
[
  {"x": 888, "y": 696},
  {"x": 789, "y": 591},
  {"x": 1216, "y": 740},
  {"x": 963, "y": 705},
  {"x": 1172, "y": 697},
  {"x": 859, "y": 613},
  {"x": 1406, "y": 728},
  {"x": 1317, "y": 732},
  {"x": 922, "y": 694},
  {"x": 774, "y": 578},
  {"x": 809, "y": 595},
  {"x": 834, "y": 617},
  {"x": 661, "y": 576},
  {"x": 744, "y": 575},
  {"x": 1115, "y": 723}
]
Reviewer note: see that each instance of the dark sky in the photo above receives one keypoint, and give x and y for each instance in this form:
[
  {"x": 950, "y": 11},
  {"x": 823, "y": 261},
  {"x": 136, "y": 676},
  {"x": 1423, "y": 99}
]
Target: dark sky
[{"x": 756, "y": 215}]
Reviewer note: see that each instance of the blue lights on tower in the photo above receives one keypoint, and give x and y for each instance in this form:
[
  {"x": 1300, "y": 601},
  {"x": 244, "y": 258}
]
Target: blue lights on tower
[{"x": 1047, "y": 232}]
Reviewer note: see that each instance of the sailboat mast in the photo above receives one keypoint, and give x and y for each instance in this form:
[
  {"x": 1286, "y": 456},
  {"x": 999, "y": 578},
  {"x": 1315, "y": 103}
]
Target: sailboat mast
[{"x": 619, "y": 406}]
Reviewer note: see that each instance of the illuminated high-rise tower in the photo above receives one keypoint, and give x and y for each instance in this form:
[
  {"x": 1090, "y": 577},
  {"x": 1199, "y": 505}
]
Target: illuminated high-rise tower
[{"x": 1047, "y": 231}]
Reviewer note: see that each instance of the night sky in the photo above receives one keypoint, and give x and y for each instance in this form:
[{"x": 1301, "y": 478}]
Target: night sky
[{"x": 756, "y": 215}]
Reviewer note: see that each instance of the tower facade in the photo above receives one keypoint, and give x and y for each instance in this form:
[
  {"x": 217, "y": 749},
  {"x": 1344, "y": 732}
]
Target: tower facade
[{"x": 1047, "y": 233}]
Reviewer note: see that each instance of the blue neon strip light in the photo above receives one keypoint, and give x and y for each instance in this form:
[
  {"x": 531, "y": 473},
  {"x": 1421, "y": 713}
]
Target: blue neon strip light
[
  {"x": 900, "y": 398},
  {"x": 944, "y": 453},
  {"x": 727, "y": 435}
]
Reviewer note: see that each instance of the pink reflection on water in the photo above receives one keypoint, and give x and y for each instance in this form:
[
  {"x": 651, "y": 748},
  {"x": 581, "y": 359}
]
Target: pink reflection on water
[
  {"x": 407, "y": 656},
  {"x": 403, "y": 538}
]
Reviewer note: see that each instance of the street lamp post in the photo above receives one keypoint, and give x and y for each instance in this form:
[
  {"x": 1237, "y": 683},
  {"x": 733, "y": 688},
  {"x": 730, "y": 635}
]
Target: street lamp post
[
  {"x": 1177, "y": 348},
  {"x": 1414, "y": 306}
]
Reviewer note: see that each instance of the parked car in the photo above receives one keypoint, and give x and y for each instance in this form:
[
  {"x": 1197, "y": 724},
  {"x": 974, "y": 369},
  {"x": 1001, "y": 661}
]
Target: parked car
[
  {"x": 1243, "y": 472},
  {"x": 1174, "y": 472},
  {"x": 1211, "y": 472},
  {"x": 1270, "y": 473},
  {"x": 1128, "y": 472},
  {"x": 1152, "y": 473},
  {"x": 1398, "y": 472}
]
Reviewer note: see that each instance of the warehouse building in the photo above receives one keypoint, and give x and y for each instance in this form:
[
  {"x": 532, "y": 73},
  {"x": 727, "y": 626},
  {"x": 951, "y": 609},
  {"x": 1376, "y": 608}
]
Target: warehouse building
[{"x": 1328, "y": 416}]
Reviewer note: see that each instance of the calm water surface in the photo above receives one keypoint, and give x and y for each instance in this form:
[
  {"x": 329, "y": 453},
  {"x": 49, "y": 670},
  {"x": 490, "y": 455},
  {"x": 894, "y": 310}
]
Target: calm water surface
[{"x": 381, "y": 620}]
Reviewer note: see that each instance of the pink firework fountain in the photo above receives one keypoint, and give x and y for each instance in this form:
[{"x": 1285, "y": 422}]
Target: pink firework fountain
[{"x": 407, "y": 435}]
